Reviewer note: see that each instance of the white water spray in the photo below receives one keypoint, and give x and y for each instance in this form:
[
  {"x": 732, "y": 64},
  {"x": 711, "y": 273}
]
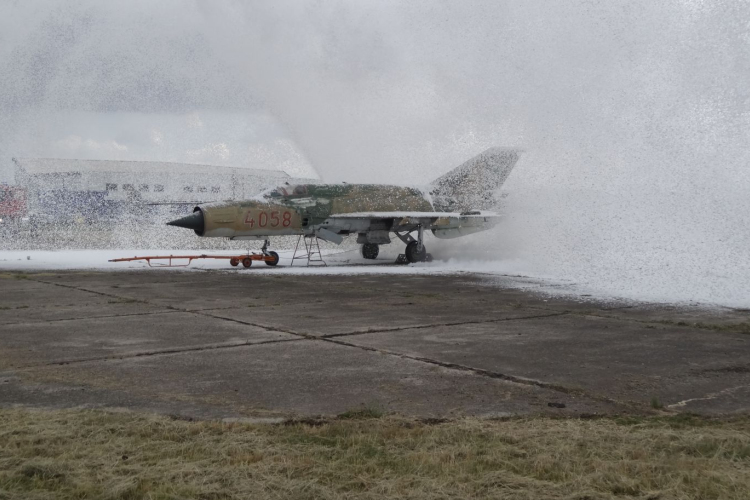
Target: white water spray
[{"x": 635, "y": 116}]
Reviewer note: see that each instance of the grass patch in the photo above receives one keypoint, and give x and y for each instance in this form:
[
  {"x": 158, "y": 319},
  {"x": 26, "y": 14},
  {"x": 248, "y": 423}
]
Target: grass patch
[
  {"x": 93, "y": 454},
  {"x": 741, "y": 327},
  {"x": 361, "y": 413},
  {"x": 15, "y": 275}
]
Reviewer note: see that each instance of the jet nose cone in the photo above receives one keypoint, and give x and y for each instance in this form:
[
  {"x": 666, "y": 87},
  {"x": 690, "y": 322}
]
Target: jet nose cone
[{"x": 193, "y": 221}]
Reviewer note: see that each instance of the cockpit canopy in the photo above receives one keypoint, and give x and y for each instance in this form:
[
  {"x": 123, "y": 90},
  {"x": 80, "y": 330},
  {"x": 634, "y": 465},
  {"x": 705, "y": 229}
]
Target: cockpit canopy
[{"x": 288, "y": 191}]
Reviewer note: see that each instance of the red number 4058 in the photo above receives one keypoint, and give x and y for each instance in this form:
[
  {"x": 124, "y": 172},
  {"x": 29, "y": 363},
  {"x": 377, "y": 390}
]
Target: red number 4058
[{"x": 285, "y": 220}]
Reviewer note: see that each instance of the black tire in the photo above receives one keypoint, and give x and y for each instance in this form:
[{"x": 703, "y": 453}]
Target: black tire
[
  {"x": 275, "y": 259},
  {"x": 247, "y": 262},
  {"x": 412, "y": 255},
  {"x": 234, "y": 262},
  {"x": 370, "y": 251}
]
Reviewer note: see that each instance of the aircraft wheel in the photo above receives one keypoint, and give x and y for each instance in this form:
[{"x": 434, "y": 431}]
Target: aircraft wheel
[
  {"x": 234, "y": 262},
  {"x": 275, "y": 259},
  {"x": 370, "y": 250},
  {"x": 412, "y": 255},
  {"x": 247, "y": 262}
]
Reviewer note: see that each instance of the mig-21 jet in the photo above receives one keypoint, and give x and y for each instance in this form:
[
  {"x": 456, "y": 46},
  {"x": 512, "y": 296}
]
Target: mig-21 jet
[{"x": 453, "y": 205}]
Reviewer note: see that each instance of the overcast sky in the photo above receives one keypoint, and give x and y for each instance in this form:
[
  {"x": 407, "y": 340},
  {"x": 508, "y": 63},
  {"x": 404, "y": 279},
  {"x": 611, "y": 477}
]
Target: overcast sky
[
  {"x": 130, "y": 80},
  {"x": 373, "y": 89}
]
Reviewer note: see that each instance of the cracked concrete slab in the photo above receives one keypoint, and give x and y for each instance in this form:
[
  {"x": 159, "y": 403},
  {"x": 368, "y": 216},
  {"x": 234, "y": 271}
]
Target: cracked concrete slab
[
  {"x": 717, "y": 318},
  {"x": 320, "y": 319},
  {"x": 731, "y": 400},
  {"x": 189, "y": 295},
  {"x": 131, "y": 342},
  {"x": 311, "y": 377},
  {"x": 75, "y": 311},
  {"x": 626, "y": 361},
  {"x": 30, "y": 344},
  {"x": 27, "y": 294},
  {"x": 27, "y": 300}
]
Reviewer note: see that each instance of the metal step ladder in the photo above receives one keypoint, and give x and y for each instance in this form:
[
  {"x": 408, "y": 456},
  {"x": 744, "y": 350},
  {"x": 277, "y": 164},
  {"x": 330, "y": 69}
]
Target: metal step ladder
[{"x": 310, "y": 253}]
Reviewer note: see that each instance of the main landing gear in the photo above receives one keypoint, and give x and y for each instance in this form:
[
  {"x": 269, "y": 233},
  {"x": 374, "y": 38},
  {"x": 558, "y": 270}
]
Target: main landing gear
[
  {"x": 415, "y": 249},
  {"x": 370, "y": 251},
  {"x": 415, "y": 252}
]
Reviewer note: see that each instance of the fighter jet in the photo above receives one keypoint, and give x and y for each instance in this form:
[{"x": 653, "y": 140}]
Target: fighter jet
[{"x": 453, "y": 205}]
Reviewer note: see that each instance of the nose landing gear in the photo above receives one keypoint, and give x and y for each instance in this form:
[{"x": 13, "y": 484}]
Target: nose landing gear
[{"x": 272, "y": 258}]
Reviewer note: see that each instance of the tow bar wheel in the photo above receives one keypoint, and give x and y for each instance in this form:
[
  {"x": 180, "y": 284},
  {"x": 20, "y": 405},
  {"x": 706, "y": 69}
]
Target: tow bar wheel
[{"x": 270, "y": 258}]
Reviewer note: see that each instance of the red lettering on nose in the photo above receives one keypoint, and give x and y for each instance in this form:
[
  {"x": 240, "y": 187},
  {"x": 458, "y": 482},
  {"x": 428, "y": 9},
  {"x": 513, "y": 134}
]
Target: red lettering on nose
[{"x": 249, "y": 220}]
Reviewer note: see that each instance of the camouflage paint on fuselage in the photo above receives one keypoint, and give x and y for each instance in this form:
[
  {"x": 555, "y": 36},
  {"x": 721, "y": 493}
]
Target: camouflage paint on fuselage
[
  {"x": 318, "y": 201},
  {"x": 290, "y": 210}
]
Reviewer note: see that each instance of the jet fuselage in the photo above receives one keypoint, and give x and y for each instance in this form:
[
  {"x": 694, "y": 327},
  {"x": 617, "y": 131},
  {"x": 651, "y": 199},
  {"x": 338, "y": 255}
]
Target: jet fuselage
[{"x": 294, "y": 210}]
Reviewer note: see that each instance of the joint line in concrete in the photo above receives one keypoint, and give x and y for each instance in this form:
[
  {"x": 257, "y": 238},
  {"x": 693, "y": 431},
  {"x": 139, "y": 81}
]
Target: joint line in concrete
[
  {"x": 443, "y": 364},
  {"x": 435, "y": 325},
  {"x": 164, "y": 352},
  {"x": 90, "y": 317},
  {"x": 482, "y": 372},
  {"x": 81, "y": 289}
]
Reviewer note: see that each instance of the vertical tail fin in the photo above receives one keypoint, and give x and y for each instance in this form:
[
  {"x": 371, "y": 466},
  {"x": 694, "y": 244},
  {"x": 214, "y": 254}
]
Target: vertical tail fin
[{"x": 472, "y": 185}]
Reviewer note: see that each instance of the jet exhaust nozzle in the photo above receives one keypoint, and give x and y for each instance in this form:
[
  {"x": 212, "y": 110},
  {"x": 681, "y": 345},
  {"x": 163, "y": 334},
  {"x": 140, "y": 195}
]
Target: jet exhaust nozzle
[{"x": 193, "y": 221}]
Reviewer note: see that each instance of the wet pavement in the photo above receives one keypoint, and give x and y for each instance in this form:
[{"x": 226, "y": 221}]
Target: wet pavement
[{"x": 220, "y": 344}]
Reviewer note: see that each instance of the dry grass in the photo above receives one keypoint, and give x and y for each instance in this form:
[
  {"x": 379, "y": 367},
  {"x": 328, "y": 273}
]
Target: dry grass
[
  {"x": 738, "y": 327},
  {"x": 93, "y": 454}
]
